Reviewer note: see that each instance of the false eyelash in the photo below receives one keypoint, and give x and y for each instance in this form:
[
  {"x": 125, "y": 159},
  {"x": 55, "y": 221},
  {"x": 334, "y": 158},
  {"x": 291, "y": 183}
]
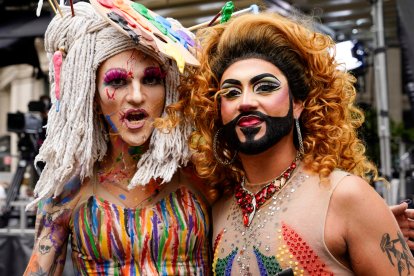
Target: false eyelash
[
  {"x": 154, "y": 72},
  {"x": 275, "y": 85},
  {"x": 115, "y": 74}
]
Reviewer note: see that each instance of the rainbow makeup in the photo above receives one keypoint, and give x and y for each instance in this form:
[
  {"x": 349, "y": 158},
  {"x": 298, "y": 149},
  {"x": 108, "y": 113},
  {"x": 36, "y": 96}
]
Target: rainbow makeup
[{"x": 111, "y": 124}]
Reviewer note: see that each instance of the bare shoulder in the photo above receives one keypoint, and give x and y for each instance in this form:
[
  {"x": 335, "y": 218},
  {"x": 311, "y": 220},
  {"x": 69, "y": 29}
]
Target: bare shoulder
[
  {"x": 354, "y": 193},
  {"x": 360, "y": 207},
  {"x": 69, "y": 196},
  {"x": 58, "y": 210},
  {"x": 351, "y": 186}
]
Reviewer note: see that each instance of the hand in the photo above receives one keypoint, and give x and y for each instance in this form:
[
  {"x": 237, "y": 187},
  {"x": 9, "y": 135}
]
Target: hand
[{"x": 405, "y": 219}]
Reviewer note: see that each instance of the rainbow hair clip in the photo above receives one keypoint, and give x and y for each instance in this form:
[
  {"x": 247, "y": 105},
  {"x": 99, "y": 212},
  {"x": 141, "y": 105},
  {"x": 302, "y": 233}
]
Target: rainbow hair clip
[{"x": 225, "y": 14}]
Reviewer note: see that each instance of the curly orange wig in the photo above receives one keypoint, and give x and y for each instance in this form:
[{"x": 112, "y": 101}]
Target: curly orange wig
[{"x": 305, "y": 57}]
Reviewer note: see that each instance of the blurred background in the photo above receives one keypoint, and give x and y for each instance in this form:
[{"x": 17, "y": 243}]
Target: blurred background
[{"x": 374, "y": 39}]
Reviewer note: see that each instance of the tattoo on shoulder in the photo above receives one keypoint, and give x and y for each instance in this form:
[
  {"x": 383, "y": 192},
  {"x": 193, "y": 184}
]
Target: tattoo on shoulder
[{"x": 398, "y": 252}]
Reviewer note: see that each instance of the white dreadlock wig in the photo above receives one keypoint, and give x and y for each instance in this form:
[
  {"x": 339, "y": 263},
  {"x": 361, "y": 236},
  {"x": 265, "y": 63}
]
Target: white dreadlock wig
[{"x": 76, "y": 135}]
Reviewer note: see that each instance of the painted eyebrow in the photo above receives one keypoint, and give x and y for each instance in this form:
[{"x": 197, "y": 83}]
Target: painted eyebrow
[
  {"x": 252, "y": 81},
  {"x": 231, "y": 81},
  {"x": 261, "y": 76}
]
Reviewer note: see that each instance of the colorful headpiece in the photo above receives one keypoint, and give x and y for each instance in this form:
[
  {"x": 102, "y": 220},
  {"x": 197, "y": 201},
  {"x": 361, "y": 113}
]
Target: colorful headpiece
[{"x": 148, "y": 28}]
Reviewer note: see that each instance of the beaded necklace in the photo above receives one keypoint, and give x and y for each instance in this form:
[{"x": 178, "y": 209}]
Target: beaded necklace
[{"x": 250, "y": 203}]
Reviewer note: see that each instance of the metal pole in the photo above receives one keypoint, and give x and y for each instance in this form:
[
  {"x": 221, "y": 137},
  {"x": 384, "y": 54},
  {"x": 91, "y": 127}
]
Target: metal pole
[
  {"x": 381, "y": 91},
  {"x": 402, "y": 193}
]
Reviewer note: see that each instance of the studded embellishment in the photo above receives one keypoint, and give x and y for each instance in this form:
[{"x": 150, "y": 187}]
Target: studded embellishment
[
  {"x": 267, "y": 265},
  {"x": 257, "y": 249},
  {"x": 223, "y": 266},
  {"x": 301, "y": 251}
]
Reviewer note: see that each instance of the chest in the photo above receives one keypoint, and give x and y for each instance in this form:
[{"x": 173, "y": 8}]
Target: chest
[
  {"x": 286, "y": 232},
  {"x": 102, "y": 230}
]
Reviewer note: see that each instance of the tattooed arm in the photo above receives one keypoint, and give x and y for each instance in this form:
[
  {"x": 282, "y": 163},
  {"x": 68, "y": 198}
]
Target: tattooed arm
[
  {"x": 362, "y": 232},
  {"x": 52, "y": 233}
]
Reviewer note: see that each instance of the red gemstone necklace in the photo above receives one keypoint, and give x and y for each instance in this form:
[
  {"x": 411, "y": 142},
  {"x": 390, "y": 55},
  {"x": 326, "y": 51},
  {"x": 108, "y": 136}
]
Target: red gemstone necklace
[{"x": 250, "y": 203}]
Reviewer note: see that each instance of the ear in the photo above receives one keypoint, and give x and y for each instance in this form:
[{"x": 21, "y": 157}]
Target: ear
[{"x": 297, "y": 108}]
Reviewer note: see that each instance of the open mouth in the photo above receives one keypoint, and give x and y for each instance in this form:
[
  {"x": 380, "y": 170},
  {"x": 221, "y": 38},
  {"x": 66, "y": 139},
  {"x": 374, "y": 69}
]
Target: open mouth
[
  {"x": 249, "y": 121},
  {"x": 134, "y": 118}
]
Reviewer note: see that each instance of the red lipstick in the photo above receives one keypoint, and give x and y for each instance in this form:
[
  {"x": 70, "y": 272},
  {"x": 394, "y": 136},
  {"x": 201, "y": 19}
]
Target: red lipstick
[{"x": 249, "y": 121}]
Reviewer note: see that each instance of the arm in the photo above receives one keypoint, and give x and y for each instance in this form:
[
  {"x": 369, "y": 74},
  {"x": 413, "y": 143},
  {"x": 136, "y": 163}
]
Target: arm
[
  {"x": 49, "y": 251},
  {"x": 405, "y": 220},
  {"x": 52, "y": 232},
  {"x": 373, "y": 240}
]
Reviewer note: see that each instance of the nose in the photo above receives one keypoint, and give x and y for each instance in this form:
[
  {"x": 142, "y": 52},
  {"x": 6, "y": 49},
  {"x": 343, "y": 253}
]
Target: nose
[
  {"x": 135, "y": 95},
  {"x": 248, "y": 101}
]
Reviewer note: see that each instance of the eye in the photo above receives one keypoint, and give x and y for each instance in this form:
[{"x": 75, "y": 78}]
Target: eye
[
  {"x": 116, "y": 77},
  {"x": 230, "y": 92},
  {"x": 153, "y": 76},
  {"x": 266, "y": 87},
  {"x": 152, "y": 80},
  {"x": 118, "y": 82}
]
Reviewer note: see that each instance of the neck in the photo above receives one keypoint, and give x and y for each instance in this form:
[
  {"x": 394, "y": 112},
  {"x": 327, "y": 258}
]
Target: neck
[
  {"x": 269, "y": 164},
  {"x": 121, "y": 160}
]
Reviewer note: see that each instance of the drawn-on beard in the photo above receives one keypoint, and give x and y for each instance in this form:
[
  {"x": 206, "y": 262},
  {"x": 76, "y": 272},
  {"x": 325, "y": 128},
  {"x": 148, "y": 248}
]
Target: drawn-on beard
[{"x": 276, "y": 129}]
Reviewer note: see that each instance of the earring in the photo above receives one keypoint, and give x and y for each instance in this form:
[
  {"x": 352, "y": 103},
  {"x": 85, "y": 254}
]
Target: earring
[
  {"x": 225, "y": 162},
  {"x": 301, "y": 149}
]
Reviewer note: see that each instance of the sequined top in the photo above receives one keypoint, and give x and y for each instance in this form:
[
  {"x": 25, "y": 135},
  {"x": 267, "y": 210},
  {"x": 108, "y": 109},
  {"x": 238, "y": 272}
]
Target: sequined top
[{"x": 286, "y": 232}]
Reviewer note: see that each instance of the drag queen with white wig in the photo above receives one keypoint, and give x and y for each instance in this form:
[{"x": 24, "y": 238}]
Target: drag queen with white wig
[{"x": 113, "y": 185}]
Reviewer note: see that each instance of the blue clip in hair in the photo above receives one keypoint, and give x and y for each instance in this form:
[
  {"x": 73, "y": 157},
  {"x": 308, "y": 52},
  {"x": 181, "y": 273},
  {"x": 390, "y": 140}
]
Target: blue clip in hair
[{"x": 254, "y": 8}]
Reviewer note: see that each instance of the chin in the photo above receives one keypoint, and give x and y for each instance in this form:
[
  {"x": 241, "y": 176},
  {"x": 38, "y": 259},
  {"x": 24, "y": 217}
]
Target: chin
[
  {"x": 136, "y": 142},
  {"x": 135, "y": 139},
  {"x": 242, "y": 138}
]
